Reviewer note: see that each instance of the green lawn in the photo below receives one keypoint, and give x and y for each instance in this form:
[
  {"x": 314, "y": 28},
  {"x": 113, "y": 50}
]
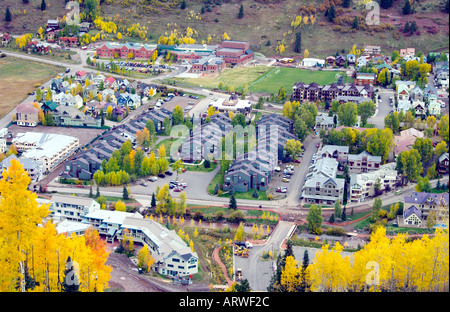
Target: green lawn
[
  {"x": 264, "y": 79},
  {"x": 287, "y": 77}
]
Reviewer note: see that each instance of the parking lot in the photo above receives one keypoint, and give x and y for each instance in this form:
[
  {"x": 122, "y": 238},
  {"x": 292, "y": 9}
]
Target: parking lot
[
  {"x": 84, "y": 135},
  {"x": 279, "y": 181},
  {"x": 182, "y": 101}
]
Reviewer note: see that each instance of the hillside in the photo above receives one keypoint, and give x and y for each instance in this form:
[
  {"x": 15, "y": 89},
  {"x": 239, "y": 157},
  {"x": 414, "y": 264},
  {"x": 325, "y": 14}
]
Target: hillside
[{"x": 264, "y": 22}]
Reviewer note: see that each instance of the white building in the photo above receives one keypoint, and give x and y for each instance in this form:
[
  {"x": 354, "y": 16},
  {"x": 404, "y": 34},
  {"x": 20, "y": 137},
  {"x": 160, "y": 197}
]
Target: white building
[
  {"x": 233, "y": 104},
  {"x": 173, "y": 257},
  {"x": 72, "y": 208},
  {"x": 313, "y": 62},
  {"x": 363, "y": 185},
  {"x": 31, "y": 166},
  {"x": 49, "y": 148}
]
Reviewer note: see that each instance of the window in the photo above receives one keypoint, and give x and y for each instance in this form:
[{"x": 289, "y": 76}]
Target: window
[{"x": 175, "y": 260}]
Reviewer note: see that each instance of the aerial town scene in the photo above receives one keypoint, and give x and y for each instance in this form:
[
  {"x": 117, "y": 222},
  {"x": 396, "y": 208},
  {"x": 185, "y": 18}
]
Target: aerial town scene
[{"x": 224, "y": 146}]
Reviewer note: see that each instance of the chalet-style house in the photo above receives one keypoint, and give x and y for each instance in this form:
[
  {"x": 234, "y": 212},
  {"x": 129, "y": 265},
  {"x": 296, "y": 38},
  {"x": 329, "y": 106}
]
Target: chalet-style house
[{"x": 426, "y": 202}]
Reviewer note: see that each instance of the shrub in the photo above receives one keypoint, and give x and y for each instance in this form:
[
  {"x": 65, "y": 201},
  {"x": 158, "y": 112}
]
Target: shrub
[
  {"x": 382, "y": 213},
  {"x": 236, "y": 217},
  {"x": 336, "y": 231}
]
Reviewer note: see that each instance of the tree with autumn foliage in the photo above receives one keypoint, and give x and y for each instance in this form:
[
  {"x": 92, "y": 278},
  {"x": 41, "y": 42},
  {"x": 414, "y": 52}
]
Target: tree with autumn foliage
[{"x": 32, "y": 254}]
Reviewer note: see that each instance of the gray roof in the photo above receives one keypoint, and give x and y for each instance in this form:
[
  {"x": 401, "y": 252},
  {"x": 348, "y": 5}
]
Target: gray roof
[
  {"x": 73, "y": 200},
  {"x": 412, "y": 210},
  {"x": 421, "y": 198}
]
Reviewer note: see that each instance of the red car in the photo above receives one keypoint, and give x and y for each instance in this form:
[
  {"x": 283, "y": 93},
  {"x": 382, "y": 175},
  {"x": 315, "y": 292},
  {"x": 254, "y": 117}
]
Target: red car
[
  {"x": 317, "y": 145},
  {"x": 177, "y": 189},
  {"x": 297, "y": 160}
]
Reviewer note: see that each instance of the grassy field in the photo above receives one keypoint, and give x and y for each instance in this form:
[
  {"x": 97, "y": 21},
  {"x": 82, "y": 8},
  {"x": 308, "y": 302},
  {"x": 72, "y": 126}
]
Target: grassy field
[
  {"x": 264, "y": 79},
  {"x": 287, "y": 77},
  {"x": 18, "y": 77}
]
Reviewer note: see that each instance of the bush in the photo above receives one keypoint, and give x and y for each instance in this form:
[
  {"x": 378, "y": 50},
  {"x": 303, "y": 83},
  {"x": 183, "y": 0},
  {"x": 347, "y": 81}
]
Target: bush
[
  {"x": 382, "y": 213},
  {"x": 336, "y": 231},
  {"x": 236, "y": 217}
]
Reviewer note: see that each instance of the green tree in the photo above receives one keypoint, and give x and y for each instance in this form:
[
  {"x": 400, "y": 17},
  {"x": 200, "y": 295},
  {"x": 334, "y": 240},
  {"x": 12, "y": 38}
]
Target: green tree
[
  {"x": 406, "y": 8},
  {"x": 241, "y": 11},
  {"x": 337, "y": 209},
  {"x": 177, "y": 115},
  {"x": 153, "y": 202},
  {"x": 125, "y": 194},
  {"x": 293, "y": 148},
  {"x": 366, "y": 110},
  {"x": 314, "y": 219},
  {"x": 232, "y": 205},
  {"x": 425, "y": 148},
  {"x": 348, "y": 114},
  {"x": 298, "y": 42},
  {"x": 409, "y": 164},
  {"x": 8, "y": 16}
]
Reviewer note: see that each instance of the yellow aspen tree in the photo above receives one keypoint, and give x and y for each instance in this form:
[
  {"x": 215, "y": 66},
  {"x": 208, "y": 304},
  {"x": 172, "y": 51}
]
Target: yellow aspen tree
[
  {"x": 290, "y": 275},
  {"x": 19, "y": 215}
]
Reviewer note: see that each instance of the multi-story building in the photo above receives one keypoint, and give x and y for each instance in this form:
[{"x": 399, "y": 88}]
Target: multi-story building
[
  {"x": 235, "y": 52},
  {"x": 363, "y": 162},
  {"x": 72, "y": 208},
  {"x": 31, "y": 166},
  {"x": 173, "y": 257},
  {"x": 27, "y": 115},
  {"x": 322, "y": 185},
  {"x": 123, "y": 50},
  {"x": 314, "y": 92},
  {"x": 50, "y": 149},
  {"x": 426, "y": 202},
  {"x": 364, "y": 185}
]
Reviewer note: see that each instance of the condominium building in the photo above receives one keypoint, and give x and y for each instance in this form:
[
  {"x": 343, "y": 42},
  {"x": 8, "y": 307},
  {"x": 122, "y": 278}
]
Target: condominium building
[{"x": 51, "y": 149}]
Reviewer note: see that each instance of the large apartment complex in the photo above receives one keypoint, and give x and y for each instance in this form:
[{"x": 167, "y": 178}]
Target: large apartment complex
[{"x": 314, "y": 92}]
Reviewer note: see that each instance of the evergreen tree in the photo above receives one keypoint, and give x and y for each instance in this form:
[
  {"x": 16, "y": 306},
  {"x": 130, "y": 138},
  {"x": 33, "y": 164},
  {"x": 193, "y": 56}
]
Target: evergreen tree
[
  {"x": 216, "y": 189},
  {"x": 125, "y": 192},
  {"x": 233, "y": 204},
  {"x": 331, "y": 13},
  {"x": 153, "y": 203},
  {"x": 298, "y": 43},
  {"x": 43, "y": 5},
  {"x": 8, "y": 16},
  {"x": 98, "y": 192},
  {"x": 355, "y": 23},
  {"x": 70, "y": 282},
  {"x": 244, "y": 286},
  {"x": 241, "y": 11},
  {"x": 386, "y": 4},
  {"x": 406, "y": 8},
  {"x": 331, "y": 220},
  {"x": 183, "y": 5},
  {"x": 343, "y": 216},
  {"x": 304, "y": 285},
  {"x": 346, "y": 3},
  {"x": 91, "y": 195}
]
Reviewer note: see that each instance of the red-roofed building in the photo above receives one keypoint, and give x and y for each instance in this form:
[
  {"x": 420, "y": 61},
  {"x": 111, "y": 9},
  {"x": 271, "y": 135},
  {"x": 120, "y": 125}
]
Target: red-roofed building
[{"x": 68, "y": 41}]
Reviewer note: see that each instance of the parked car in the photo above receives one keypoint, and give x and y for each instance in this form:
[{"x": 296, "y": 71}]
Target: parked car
[
  {"x": 297, "y": 161},
  {"x": 144, "y": 184},
  {"x": 286, "y": 180},
  {"x": 177, "y": 189},
  {"x": 161, "y": 175},
  {"x": 169, "y": 173},
  {"x": 281, "y": 189},
  {"x": 153, "y": 179}
]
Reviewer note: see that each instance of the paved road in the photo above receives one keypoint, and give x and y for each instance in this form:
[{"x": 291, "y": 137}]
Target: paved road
[
  {"x": 383, "y": 108},
  {"x": 258, "y": 272}
]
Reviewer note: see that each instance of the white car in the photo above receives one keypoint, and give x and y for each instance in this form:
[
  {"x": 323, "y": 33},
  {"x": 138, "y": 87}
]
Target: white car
[{"x": 153, "y": 179}]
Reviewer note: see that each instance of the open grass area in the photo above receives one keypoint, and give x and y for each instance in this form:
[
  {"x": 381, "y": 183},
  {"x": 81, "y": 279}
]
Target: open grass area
[
  {"x": 18, "y": 77},
  {"x": 287, "y": 77},
  {"x": 264, "y": 79}
]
